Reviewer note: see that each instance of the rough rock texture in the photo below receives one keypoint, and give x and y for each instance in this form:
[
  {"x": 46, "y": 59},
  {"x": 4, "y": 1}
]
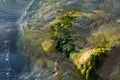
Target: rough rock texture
[
  {"x": 111, "y": 68},
  {"x": 40, "y": 13}
]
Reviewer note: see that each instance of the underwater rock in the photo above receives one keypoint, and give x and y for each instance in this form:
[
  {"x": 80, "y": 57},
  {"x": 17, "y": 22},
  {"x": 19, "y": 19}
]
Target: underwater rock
[
  {"x": 47, "y": 46},
  {"x": 34, "y": 43},
  {"x": 111, "y": 67},
  {"x": 56, "y": 70},
  {"x": 115, "y": 75}
]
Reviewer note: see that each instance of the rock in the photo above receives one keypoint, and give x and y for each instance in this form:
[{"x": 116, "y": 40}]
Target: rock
[
  {"x": 55, "y": 70},
  {"x": 118, "y": 20},
  {"x": 47, "y": 46},
  {"x": 111, "y": 68},
  {"x": 115, "y": 75}
]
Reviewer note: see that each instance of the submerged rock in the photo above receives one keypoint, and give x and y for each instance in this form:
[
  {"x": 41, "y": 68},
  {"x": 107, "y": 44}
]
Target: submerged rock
[
  {"x": 111, "y": 68},
  {"x": 91, "y": 16},
  {"x": 47, "y": 69}
]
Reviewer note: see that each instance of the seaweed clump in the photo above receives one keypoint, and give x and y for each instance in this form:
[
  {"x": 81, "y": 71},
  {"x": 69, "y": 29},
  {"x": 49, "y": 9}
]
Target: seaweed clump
[
  {"x": 88, "y": 70},
  {"x": 61, "y": 38}
]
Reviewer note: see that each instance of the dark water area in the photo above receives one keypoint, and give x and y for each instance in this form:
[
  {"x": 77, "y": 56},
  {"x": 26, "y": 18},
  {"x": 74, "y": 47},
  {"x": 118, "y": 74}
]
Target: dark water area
[
  {"x": 10, "y": 12},
  {"x": 11, "y": 63},
  {"x": 16, "y": 64}
]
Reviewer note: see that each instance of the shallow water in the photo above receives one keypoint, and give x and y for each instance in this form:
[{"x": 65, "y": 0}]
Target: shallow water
[
  {"x": 11, "y": 64},
  {"x": 19, "y": 48}
]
